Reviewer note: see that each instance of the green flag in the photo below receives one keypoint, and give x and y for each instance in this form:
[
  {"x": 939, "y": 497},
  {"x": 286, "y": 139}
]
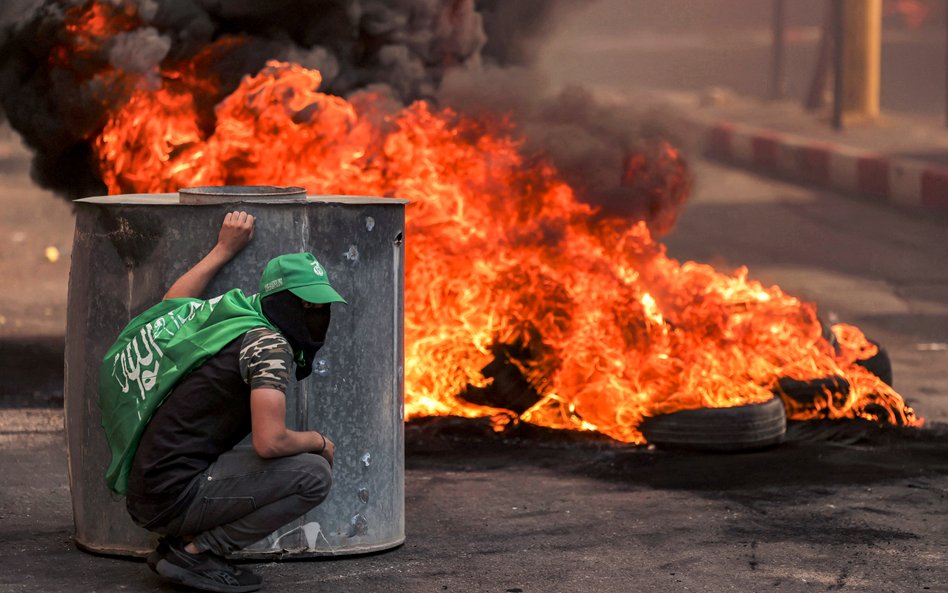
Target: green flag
[{"x": 155, "y": 351}]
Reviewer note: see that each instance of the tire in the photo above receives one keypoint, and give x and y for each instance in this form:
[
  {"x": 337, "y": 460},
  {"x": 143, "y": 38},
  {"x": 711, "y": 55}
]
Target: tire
[
  {"x": 753, "y": 426},
  {"x": 879, "y": 365},
  {"x": 807, "y": 392}
]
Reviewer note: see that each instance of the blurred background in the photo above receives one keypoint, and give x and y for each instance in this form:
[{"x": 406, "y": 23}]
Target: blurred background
[{"x": 692, "y": 45}]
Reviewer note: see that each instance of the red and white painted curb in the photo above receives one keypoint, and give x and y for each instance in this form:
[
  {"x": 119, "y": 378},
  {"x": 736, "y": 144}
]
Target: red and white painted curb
[{"x": 878, "y": 176}]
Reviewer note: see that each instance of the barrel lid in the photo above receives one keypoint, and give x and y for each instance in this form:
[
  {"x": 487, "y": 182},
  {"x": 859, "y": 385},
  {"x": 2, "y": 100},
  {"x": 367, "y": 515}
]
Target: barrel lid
[
  {"x": 174, "y": 199},
  {"x": 225, "y": 194}
]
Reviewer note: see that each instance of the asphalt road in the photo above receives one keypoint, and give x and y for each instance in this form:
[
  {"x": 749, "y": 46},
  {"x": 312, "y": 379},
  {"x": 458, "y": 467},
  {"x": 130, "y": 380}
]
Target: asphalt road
[{"x": 847, "y": 508}]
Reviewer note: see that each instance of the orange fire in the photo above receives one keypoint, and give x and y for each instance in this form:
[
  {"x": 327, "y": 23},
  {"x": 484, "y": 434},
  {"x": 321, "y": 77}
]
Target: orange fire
[
  {"x": 500, "y": 252},
  {"x": 91, "y": 26}
]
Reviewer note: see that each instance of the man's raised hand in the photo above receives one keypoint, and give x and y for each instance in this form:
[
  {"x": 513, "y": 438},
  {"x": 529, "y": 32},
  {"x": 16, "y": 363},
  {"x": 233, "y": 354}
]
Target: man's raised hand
[{"x": 236, "y": 233}]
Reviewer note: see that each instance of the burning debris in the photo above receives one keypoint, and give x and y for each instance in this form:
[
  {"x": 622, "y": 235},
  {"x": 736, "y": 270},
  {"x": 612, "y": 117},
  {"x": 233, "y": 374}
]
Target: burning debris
[{"x": 535, "y": 291}]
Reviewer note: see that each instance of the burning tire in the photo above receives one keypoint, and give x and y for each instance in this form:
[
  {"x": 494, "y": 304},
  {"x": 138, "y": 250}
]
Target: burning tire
[
  {"x": 879, "y": 365},
  {"x": 752, "y": 426},
  {"x": 836, "y": 387}
]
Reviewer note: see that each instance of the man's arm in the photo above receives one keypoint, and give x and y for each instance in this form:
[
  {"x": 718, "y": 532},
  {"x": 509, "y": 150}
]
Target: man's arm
[
  {"x": 235, "y": 234},
  {"x": 271, "y": 437}
]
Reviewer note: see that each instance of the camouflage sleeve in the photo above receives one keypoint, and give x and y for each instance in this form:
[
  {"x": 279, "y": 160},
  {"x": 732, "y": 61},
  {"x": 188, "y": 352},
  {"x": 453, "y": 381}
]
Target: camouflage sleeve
[{"x": 265, "y": 359}]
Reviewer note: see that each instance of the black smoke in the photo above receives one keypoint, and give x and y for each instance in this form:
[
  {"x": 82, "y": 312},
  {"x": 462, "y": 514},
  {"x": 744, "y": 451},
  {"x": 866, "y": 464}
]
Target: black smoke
[
  {"x": 404, "y": 46},
  {"x": 470, "y": 55}
]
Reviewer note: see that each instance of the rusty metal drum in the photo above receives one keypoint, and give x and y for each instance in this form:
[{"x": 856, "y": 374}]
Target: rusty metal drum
[{"x": 127, "y": 251}]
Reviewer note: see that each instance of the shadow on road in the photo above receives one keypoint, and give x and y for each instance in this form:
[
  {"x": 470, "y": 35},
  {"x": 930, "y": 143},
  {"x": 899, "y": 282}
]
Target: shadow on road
[{"x": 32, "y": 371}]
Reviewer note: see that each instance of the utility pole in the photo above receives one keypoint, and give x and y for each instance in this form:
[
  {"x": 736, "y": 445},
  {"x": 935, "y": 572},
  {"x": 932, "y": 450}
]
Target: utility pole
[
  {"x": 825, "y": 64},
  {"x": 778, "y": 82},
  {"x": 861, "y": 57},
  {"x": 836, "y": 19}
]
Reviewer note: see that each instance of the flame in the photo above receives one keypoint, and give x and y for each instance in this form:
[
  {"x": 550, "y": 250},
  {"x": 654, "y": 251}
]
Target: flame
[
  {"x": 499, "y": 251},
  {"x": 89, "y": 28}
]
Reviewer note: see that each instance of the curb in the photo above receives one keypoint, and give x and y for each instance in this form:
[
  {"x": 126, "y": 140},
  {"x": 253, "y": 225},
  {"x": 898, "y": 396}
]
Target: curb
[{"x": 877, "y": 176}]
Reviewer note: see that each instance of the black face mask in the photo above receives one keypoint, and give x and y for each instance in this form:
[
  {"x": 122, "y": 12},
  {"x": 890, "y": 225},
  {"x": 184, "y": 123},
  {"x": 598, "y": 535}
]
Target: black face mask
[{"x": 305, "y": 329}]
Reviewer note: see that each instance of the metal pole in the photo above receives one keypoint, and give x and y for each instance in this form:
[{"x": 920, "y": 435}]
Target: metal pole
[
  {"x": 816, "y": 97},
  {"x": 778, "y": 83},
  {"x": 838, "y": 64},
  {"x": 862, "y": 44},
  {"x": 946, "y": 65}
]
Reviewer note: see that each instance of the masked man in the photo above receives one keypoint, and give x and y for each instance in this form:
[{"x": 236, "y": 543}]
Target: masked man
[{"x": 186, "y": 381}]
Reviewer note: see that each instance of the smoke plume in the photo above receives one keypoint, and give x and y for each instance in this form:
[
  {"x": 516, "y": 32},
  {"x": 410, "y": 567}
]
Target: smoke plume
[{"x": 470, "y": 55}]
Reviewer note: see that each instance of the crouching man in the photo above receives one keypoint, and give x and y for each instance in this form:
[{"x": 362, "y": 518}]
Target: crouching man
[{"x": 186, "y": 381}]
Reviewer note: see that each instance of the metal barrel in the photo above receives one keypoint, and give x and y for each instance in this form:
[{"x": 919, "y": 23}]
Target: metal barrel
[{"x": 127, "y": 251}]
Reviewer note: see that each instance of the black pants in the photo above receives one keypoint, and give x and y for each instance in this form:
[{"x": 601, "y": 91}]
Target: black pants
[{"x": 242, "y": 498}]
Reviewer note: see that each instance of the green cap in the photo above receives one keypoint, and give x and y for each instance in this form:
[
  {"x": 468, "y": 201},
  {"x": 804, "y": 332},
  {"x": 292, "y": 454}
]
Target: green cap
[{"x": 302, "y": 275}]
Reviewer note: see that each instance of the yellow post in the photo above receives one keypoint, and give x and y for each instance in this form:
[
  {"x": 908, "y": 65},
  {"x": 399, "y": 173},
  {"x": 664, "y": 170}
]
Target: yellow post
[{"x": 862, "y": 52}]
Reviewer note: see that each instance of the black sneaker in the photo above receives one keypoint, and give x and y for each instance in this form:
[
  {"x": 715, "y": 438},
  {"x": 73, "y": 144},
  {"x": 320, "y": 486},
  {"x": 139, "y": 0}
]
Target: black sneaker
[
  {"x": 206, "y": 571},
  {"x": 159, "y": 552}
]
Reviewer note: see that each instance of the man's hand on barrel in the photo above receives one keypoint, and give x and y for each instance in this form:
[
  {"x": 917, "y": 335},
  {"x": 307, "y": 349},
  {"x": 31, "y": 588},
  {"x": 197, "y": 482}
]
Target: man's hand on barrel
[
  {"x": 236, "y": 233},
  {"x": 328, "y": 449}
]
